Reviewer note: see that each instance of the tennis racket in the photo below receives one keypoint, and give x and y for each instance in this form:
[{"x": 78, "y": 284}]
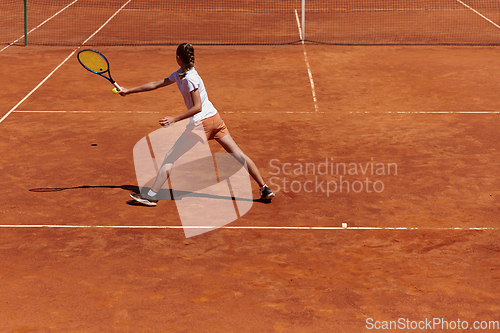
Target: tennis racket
[{"x": 95, "y": 62}]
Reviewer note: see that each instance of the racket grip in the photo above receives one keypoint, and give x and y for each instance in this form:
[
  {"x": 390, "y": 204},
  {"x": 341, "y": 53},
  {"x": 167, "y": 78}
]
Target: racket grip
[{"x": 117, "y": 86}]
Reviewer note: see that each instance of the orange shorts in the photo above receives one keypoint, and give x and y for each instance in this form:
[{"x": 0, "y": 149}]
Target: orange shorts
[{"x": 214, "y": 126}]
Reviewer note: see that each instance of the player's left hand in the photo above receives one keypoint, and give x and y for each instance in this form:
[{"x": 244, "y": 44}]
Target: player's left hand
[{"x": 167, "y": 121}]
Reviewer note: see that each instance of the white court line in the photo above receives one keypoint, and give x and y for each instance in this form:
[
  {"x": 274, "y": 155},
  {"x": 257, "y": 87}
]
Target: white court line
[
  {"x": 36, "y": 88},
  {"x": 478, "y": 13},
  {"x": 311, "y": 81},
  {"x": 40, "y": 111},
  {"x": 430, "y": 112},
  {"x": 62, "y": 63},
  {"x": 260, "y": 112},
  {"x": 157, "y": 112},
  {"x": 344, "y": 227},
  {"x": 38, "y": 26},
  {"x": 61, "y": 111},
  {"x": 385, "y": 10},
  {"x": 322, "y": 10},
  {"x": 105, "y": 23}
]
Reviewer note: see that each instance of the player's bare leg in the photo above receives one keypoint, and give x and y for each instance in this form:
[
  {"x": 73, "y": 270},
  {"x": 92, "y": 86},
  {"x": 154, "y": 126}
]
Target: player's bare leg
[{"x": 231, "y": 147}]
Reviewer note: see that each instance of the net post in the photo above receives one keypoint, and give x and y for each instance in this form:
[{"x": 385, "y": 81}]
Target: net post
[
  {"x": 303, "y": 20},
  {"x": 25, "y": 23}
]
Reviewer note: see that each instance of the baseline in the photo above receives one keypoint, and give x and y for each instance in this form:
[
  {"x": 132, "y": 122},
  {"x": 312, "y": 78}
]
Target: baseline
[{"x": 343, "y": 227}]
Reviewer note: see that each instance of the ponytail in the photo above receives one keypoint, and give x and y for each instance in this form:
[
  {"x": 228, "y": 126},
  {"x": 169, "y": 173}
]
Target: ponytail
[{"x": 185, "y": 51}]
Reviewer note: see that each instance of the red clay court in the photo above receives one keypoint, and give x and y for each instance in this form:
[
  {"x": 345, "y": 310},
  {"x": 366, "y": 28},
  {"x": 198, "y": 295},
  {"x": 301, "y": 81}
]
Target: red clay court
[{"x": 395, "y": 104}]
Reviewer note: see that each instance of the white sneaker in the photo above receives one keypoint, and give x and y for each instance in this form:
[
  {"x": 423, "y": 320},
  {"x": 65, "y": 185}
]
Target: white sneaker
[{"x": 144, "y": 199}]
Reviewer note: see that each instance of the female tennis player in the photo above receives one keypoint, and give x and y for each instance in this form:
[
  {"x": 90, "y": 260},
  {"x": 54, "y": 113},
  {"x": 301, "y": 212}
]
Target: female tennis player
[{"x": 199, "y": 109}]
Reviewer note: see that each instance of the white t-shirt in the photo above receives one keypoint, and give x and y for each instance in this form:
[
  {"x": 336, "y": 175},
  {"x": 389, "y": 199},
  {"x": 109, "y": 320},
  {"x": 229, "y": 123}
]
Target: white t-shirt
[{"x": 193, "y": 81}]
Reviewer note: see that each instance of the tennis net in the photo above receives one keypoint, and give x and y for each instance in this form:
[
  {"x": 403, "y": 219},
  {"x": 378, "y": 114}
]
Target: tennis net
[{"x": 219, "y": 22}]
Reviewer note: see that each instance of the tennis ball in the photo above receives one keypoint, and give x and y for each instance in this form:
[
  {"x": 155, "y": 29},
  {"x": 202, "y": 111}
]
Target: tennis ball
[{"x": 114, "y": 91}]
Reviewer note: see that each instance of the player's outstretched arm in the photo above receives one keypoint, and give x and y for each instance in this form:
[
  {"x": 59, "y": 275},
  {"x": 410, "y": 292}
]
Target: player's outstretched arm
[{"x": 146, "y": 87}]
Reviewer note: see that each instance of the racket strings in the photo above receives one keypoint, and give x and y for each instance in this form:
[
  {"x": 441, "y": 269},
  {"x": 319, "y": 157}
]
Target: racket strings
[{"x": 93, "y": 61}]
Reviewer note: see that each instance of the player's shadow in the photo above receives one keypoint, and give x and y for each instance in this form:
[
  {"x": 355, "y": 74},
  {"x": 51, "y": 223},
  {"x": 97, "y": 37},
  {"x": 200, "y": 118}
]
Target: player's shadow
[
  {"x": 128, "y": 188},
  {"x": 191, "y": 177},
  {"x": 131, "y": 188},
  {"x": 165, "y": 195}
]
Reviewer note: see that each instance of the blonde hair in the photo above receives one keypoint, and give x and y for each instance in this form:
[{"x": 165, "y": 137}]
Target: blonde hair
[{"x": 185, "y": 52}]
